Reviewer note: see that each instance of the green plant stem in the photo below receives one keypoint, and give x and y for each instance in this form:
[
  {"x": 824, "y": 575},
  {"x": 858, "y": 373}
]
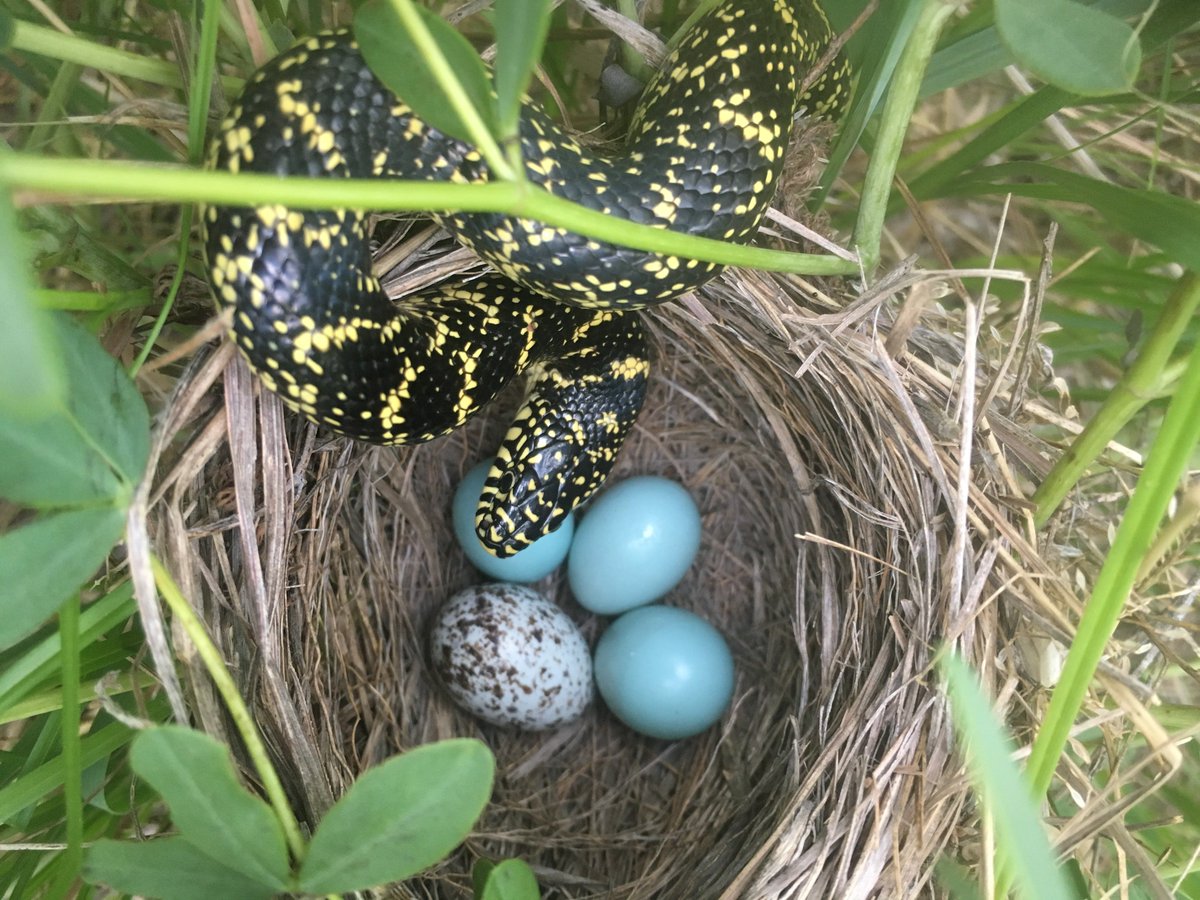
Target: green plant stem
[
  {"x": 432, "y": 56},
  {"x": 1142, "y": 382},
  {"x": 893, "y": 126},
  {"x": 124, "y": 181},
  {"x": 200, "y": 101},
  {"x": 72, "y": 858},
  {"x": 237, "y": 708},
  {"x": 1165, "y": 464},
  {"x": 30, "y": 38},
  {"x": 635, "y": 65}
]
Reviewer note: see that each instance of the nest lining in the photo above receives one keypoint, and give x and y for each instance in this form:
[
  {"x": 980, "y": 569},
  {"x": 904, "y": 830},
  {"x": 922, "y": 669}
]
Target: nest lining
[{"x": 833, "y": 559}]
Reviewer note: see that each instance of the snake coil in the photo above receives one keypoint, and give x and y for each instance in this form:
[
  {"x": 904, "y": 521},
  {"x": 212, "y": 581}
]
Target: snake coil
[{"x": 703, "y": 156}]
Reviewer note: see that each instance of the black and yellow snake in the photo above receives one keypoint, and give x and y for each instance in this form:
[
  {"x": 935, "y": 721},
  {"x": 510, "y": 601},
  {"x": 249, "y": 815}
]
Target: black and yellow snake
[{"x": 703, "y": 156}]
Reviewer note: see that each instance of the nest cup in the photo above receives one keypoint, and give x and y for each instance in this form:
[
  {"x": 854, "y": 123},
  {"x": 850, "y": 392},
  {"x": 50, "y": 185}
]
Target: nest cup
[{"x": 824, "y": 462}]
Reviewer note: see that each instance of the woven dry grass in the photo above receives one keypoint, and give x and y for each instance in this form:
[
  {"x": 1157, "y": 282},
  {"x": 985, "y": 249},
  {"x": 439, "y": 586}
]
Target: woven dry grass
[{"x": 844, "y": 542}]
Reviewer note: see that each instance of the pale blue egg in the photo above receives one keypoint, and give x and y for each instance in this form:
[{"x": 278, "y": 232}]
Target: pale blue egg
[
  {"x": 536, "y": 561},
  {"x": 635, "y": 544},
  {"x": 664, "y": 672}
]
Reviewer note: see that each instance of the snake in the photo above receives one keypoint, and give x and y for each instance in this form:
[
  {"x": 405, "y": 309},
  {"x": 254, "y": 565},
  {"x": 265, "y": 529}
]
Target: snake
[{"x": 703, "y": 155}]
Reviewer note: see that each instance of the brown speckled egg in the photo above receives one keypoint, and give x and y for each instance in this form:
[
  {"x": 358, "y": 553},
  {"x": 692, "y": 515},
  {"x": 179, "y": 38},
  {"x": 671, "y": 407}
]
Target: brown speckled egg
[{"x": 511, "y": 657}]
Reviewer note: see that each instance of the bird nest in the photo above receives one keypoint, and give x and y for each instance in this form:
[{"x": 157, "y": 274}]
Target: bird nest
[{"x": 844, "y": 542}]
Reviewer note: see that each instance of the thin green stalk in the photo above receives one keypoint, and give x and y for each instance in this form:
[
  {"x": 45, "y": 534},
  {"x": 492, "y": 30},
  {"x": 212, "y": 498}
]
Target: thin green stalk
[
  {"x": 30, "y": 38},
  {"x": 71, "y": 860},
  {"x": 1165, "y": 464},
  {"x": 893, "y": 126},
  {"x": 1141, "y": 383},
  {"x": 241, "y": 716},
  {"x": 185, "y": 229},
  {"x": 124, "y": 181},
  {"x": 198, "y": 106},
  {"x": 204, "y": 66},
  {"x": 634, "y": 64},
  {"x": 432, "y": 56}
]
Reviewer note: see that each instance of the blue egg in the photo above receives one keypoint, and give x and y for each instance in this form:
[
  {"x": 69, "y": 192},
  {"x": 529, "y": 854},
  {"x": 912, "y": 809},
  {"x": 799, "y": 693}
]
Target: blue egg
[
  {"x": 664, "y": 672},
  {"x": 635, "y": 544},
  {"x": 536, "y": 561}
]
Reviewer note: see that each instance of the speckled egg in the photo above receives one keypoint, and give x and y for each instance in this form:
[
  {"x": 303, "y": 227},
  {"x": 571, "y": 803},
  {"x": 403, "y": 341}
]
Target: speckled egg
[{"x": 511, "y": 657}]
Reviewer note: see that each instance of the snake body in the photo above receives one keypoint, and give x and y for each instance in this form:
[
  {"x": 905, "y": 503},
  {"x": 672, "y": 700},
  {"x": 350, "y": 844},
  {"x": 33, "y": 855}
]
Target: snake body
[{"x": 703, "y": 156}]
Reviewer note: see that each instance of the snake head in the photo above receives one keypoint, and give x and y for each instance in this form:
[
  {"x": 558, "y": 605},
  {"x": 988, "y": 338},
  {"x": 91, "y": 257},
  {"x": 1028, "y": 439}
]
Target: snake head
[
  {"x": 524, "y": 502},
  {"x": 563, "y": 442}
]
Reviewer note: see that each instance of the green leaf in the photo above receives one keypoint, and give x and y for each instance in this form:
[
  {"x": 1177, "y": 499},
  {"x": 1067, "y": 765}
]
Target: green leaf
[
  {"x": 170, "y": 868},
  {"x": 32, "y": 377},
  {"x": 511, "y": 879},
  {"x": 393, "y": 55},
  {"x": 480, "y": 872},
  {"x": 1020, "y": 836},
  {"x": 46, "y": 561},
  {"x": 400, "y": 817},
  {"x": 1076, "y": 47},
  {"x": 1171, "y": 223},
  {"x": 212, "y": 810},
  {"x": 91, "y": 449},
  {"x": 521, "y": 27}
]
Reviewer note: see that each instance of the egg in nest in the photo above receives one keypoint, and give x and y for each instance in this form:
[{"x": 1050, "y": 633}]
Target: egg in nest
[{"x": 511, "y": 657}]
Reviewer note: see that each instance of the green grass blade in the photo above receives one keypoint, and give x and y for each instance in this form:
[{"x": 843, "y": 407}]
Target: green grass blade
[
  {"x": 43, "y": 41},
  {"x": 886, "y": 33},
  {"x": 1141, "y": 383},
  {"x": 521, "y": 27},
  {"x": 21, "y": 675},
  {"x": 186, "y": 617},
  {"x": 71, "y": 861},
  {"x": 1169, "y": 222},
  {"x": 31, "y": 787},
  {"x": 1165, "y": 464},
  {"x": 51, "y": 701},
  {"x": 1021, "y": 118},
  {"x": 1020, "y": 837}
]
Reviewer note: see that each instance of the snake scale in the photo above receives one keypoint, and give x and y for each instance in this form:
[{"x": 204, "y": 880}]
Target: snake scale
[{"x": 703, "y": 155}]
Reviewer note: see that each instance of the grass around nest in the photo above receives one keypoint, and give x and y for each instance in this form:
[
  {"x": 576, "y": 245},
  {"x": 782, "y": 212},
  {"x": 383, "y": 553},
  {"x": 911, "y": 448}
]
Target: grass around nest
[{"x": 98, "y": 112}]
